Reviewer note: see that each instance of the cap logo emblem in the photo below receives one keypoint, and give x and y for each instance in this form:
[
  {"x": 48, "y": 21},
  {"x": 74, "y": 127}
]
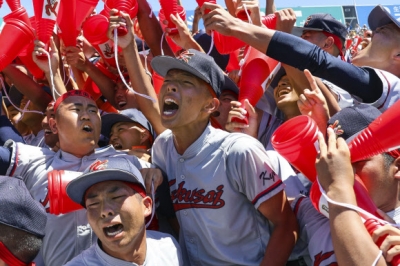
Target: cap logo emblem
[
  {"x": 307, "y": 21},
  {"x": 185, "y": 56},
  {"x": 98, "y": 165}
]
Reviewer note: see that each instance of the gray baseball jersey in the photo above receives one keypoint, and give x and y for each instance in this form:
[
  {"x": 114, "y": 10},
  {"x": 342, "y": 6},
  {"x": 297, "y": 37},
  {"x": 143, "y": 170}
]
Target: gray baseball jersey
[
  {"x": 216, "y": 187},
  {"x": 69, "y": 234},
  {"x": 391, "y": 90},
  {"x": 315, "y": 230},
  {"x": 162, "y": 249}
]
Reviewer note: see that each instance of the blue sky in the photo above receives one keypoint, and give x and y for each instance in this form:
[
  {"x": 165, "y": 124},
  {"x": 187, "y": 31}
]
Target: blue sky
[{"x": 191, "y": 4}]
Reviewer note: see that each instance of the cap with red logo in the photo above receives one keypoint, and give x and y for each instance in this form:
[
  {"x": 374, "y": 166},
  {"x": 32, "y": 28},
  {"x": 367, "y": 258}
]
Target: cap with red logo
[{"x": 107, "y": 169}]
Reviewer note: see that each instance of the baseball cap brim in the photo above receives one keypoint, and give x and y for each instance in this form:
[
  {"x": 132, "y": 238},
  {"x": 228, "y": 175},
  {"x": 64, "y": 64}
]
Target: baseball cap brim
[
  {"x": 230, "y": 85},
  {"x": 275, "y": 81},
  {"x": 379, "y": 16},
  {"x": 108, "y": 120},
  {"x": 77, "y": 188},
  {"x": 298, "y": 31},
  {"x": 163, "y": 64}
]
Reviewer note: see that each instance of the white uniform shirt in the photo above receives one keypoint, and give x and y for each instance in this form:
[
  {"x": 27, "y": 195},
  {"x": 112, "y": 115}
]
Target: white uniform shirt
[
  {"x": 162, "y": 249},
  {"x": 216, "y": 187},
  {"x": 315, "y": 230},
  {"x": 69, "y": 234}
]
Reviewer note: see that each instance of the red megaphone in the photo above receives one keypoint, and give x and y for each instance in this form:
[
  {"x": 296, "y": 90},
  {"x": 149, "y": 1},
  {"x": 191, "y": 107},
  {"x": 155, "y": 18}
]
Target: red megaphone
[
  {"x": 66, "y": 17},
  {"x": 233, "y": 63},
  {"x": 269, "y": 21},
  {"x": 58, "y": 199},
  {"x": 12, "y": 4},
  {"x": 157, "y": 82},
  {"x": 14, "y": 37},
  {"x": 95, "y": 31},
  {"x": 257, "y": 74},
  {"x": 130, "y": 7},
  {"x": 161, "y": 17},
  {"x": 26, "y": 57},
  {"x": 296, "y": 141},
  {"x": 168, "y": 7},
  {"x": 364, "y": 201},
  {"x": 201, "y": 2},
  {"x": 83, "y": 10},
  {"x": 19, "y": 14},
  {"x": 226, "y": 44},
  {"x": 378, "y": 137},
  {"x": 45, "y": 16},
  {"x": 371, "y": 225}
]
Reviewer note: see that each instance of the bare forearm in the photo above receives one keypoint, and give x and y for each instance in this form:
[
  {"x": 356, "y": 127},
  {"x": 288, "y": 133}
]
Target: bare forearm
[
  {"x": 142, "y": 84},
  {"x": 151, "y": 30},
  {"x": 270, "y": 7},
  {"x": 32, "y": 90},
  {"x": 352, "y": 243},
  {"x": 59, "y": 86},
  {"x": 80, "y": 77},
  {"x": 281, "y": 243},
  {"x": 105, "y": 84}
]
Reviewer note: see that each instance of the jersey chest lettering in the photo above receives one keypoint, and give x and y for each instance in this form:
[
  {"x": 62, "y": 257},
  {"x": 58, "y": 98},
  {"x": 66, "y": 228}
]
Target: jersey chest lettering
[{"x": 183, "y": 198}]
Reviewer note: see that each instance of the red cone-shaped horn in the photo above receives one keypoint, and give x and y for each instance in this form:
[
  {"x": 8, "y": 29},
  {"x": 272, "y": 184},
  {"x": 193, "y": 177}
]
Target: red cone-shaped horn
[
  {"x": 12, "y": 4},
  {"x": 45, "y": 16},
  {"x": 168, "y": 7},
  {"x": 14, "y": 37},
  {"x": 257, "y": 74},
  {"x": 65, "y": 19},
  {"x": 226, "y": 44},
  {"x": 95, "y": 31},
  {"x": 378, "y": 137},
  {"x": 58, "y": 198},
  {"x": 130, "y": 7},
  {"x": 83, "y": 10},
  {"x": 295, "y": 140}
]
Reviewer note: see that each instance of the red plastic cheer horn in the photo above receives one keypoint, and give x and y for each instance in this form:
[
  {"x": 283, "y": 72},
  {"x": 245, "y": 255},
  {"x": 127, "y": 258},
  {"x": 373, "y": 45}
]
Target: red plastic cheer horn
[
  {"x": 296, "y": 141},
  {"x": 168, "y": 7},
  {"x": 378, "y": 137},
  {"x": 257, "y": 74},
  {"x": 130, "y": 7},
  {"x": 161, "y": 17},
  {"x": 371, "y": 225},
  {"x": 83, "y": 10},
  {"x": 26, "y": 57},
  {"x": 269, "y": 21},
  {"x": 14, "y": 37},
  {"x": 19, "y": 14},
  {"x": 66, "y": 17},
  {"x": 226, "y": 44},
  {"x": 46, "y": 12},
  {"x": 12, "y": 4},
  {"x": 201, "y": 2},
  {"x": 95, "y": 31},
  {"x": 59, "y": 201},
  {"x": 364, "y": 201}
]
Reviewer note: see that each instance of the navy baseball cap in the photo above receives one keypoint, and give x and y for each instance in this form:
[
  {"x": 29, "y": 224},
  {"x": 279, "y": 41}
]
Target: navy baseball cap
[
  {"x": 275, "y": 80},
  {"x": 380, "y": 16},
  {"x": 196, "y": 63},
  {"x": 127, "y": 115},
  {"x": 18, "y": 209},
  {"x": 230, "y": 85},
  {"x": 107, "y": 169},
  {"x": 323, "y": 22},
  {"x": 350, "y": 121}
]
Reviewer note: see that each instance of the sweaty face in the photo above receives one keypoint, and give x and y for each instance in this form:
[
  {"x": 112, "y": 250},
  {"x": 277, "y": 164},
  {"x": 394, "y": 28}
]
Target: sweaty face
[
  {"x": 78, "y": 125},
  {"x": 182, "y": 99},
  {"x": 121, "y": 92},
  {"x": 49, "y": 137},
  {"x": 284, "y": 93},
  {"x": 315, "y": 37},
  {"x": 378, "y": 180},
  {"x": 225, "y": 100},
  {"x": 384, "y": 42},
  {"x": 125, "y": 135},
  {"x": 117, "y": 215}
]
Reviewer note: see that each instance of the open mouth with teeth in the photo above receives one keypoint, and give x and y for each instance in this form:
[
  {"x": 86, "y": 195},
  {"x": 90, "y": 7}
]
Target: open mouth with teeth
[
  {"x": 48, "y": 132},
  {"x": 87, "y": 128},
  {"x": 121, "y": 104},
  {"x": 283, "y": 92},
  {"x": 113, "y": 230},
  {"x": 117, "y": 146},
  {"x": 170, "y": 107}
]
